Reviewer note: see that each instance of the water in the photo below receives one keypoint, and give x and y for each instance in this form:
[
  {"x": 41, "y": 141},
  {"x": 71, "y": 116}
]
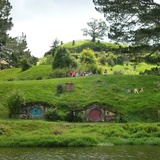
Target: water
[{"x": 93, "y": 153}]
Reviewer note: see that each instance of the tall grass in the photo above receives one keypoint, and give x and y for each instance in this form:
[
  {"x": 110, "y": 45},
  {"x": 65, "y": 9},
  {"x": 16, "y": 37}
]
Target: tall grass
[{"x": 62, "y": 134}]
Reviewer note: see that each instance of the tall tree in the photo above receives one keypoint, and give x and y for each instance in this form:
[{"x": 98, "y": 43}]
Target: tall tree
[
  {"x": 19, "y": 48},
  {"x": 5, "y": 20},
  {"x": 63, "y": 59},
  {"x": 135, "y": 22},
  {"x": 97, "y": 29},
  {"x": 5, "y": 25},
  {"x": 55, "y": 44}
]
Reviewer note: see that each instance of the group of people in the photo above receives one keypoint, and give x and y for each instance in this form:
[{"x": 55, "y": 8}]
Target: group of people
[{"x": 76, "y": 74}]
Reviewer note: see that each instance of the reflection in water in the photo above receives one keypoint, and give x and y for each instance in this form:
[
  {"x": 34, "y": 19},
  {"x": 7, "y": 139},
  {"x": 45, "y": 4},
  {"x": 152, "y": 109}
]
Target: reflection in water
[{"x": 95, "y": 153}]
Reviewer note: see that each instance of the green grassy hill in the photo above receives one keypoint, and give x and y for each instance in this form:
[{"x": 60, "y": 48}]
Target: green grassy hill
[
  {"x": 109, "y": 91},
  {"x": 81, "y": 44}
]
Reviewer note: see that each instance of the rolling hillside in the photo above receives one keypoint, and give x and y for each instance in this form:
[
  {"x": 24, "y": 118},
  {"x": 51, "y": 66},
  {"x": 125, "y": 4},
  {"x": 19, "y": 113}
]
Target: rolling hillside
[{"x": 116, "y": 91}]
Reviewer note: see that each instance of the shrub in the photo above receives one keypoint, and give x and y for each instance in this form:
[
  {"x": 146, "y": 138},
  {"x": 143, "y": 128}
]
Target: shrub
[
  {"x": 118, "y": 72},
  {"x": 45, "y": 60},
  {"x": 4, "y": 129},
  {"x": 3, "y": 111},
  {"x": 60, "y": 88},
  {"x": 89, "y": 68},
  {"x": 111, "y": 59},
  {"x": 110, "y": 62},
  {"x": 10, "y": 79},
  {"x": 120, "y": 60},
  {"x": 39, "y": 78},
  {"x": 24, "y": 64},
  {"x": 87, "y": 56},
  {"x": 103, "y": 60},
  {"x": 72, "y": 116},
  {"x": 59, "y": 73},
  {"x": 15, "y": 101},
  {"x": 51, "y": 114}
]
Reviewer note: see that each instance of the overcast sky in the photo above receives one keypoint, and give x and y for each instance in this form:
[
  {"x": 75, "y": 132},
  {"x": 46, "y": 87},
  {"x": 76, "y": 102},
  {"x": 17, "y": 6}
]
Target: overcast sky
[{"x": 44, "y": 20}]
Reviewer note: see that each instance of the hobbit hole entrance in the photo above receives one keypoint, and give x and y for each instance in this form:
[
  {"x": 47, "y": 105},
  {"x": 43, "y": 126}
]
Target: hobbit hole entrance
[
  {"x": 33, "y": 111},
  {"x": 95, "y": 113}
]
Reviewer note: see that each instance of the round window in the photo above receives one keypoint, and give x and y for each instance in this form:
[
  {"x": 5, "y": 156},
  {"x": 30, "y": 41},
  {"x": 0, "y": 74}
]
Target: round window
[{"x": 35, "y": 111}]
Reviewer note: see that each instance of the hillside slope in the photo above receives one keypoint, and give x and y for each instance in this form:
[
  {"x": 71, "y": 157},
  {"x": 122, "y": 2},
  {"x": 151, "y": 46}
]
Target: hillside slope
[{"x": 109, "y": 91}]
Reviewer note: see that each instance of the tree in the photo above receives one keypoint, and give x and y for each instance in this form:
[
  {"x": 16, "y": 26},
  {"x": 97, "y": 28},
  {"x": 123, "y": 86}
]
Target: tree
[
  {"x": 55, "y": 44},
  {"x": 19, "y": 48},
  {"x": 5, "y": 20},
  {"x": 24, "y": 64},
  {"x": 87, "y": 57},
  {"x": 5, "y": 25},
  {"x": 134, "y": 22},
  {"x": 97, "y": 29},
  {"x": 63, "y": 59},
  {"x": 88, "y": 61}
]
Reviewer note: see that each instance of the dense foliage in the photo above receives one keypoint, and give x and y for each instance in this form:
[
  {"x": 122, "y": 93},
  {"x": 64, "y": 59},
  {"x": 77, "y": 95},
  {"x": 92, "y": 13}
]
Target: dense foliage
[
  {"x": 63, "y": 59},
  {"x": 87, "y": 56},
  {"x": 12, "y": 49},
  {"x": 135, "y": 22},
  {"x": 15, "y": 101},
  {"x": 5, "y": 20}
]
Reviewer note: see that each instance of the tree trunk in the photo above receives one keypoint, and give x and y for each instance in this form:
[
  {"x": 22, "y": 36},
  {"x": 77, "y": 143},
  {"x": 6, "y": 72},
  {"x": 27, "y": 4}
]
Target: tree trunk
[{"x": 93, "y": 39}]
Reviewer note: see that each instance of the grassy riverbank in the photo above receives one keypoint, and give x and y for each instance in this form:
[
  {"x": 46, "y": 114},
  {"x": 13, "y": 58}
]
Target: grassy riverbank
[{"x": 24, "y": 133}]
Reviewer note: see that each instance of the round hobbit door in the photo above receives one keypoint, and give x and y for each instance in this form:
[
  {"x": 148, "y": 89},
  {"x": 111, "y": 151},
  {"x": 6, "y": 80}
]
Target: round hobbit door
[
  {"x": 95, "y": 114},
  {"x": 36, "y": 111}
]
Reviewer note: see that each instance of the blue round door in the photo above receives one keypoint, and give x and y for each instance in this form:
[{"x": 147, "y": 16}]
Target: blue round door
[{"x": 36, "y": 111}]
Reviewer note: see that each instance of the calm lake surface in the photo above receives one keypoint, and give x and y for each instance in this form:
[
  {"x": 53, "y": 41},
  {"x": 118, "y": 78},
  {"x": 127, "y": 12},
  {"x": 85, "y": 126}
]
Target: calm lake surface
[{"x": 94, "y": 153}]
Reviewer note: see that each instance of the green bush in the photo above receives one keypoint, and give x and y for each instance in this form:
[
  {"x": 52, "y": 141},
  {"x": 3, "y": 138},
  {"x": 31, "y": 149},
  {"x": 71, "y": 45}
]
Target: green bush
[
  {"x": 118, "y": 72},
  {"x": 4, "y": 129},
  {"x": 110, "y": 62},
  {"x": 39, "y": 78},
  {"x": 60, "y": 88},
  {"x": 103, "y": 60},
  {"x": 51, "y": 115},
  {"x": 111, "y": 59},
  {"x": 45, "y": 60},
  {"x": 87, "y": 56},
  {"x": 24, "y": 64},
  {"x": 15, "y": 102},
  {"x": 89, "y": 68},
  {"x": 3, "y": 112},
  {"x": 72, "y": 116},
  {"x": 120, "y": 60},
  {"x": 59, "y": 73}
]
